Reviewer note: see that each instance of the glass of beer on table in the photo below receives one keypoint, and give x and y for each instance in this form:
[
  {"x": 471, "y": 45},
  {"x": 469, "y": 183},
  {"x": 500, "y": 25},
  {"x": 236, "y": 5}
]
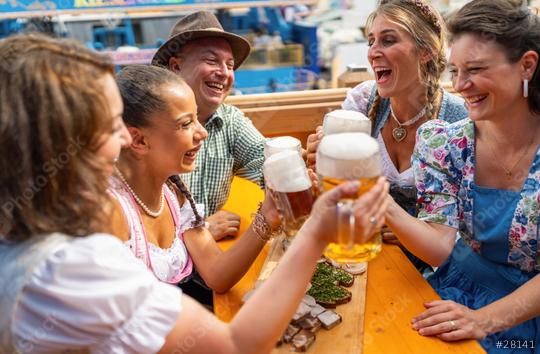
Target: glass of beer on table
[
  {"x": 342, "y": 121},
  {"x": 281, "y": 143},
  {"x": 287, "y": 179},
  {"x": 340, "y": 158}
]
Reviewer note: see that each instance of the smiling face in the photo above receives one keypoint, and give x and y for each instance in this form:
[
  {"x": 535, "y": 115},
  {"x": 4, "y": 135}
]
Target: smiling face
[
  {"x": 483, "y": 75},
  {"x": 207, "y": 66},
  {"x": 394, "y": 58},
  {"x": 112, "y": 142},
  {"x": 175, "y": 136}
]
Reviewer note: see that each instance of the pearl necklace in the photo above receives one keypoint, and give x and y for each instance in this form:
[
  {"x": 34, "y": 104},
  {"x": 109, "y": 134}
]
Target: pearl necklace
[
  {"x": 147, "y": 210},
  {"x": 400, "y": 133}
]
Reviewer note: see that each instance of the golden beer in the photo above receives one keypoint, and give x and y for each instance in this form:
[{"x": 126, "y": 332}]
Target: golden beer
[
  {"x": 345, "y": 251},
  {"x": 341, "y": 158},
  {"x": 289, "y": 184},
  {"x": 294, "y": 208}
]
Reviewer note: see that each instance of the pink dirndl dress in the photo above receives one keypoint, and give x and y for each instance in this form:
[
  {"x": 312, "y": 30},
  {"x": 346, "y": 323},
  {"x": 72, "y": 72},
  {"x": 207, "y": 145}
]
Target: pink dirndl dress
[{"x": 171, "y": 265}]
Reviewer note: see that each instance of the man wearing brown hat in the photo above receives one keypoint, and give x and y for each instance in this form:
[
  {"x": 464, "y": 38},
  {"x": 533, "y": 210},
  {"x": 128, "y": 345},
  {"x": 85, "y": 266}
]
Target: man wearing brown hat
[{"x": 206, "y": 56}]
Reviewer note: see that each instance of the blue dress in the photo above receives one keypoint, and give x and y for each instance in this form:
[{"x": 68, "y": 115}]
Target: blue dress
[{"x": 476, "y": 280}]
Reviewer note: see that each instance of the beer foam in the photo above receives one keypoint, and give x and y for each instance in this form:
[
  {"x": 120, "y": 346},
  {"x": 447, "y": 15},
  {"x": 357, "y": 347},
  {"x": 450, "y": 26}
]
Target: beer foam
[
  {"x": 286, "y": 172},
  {"x": 280, "y": 143},
  {"x": 342, "y": 121},
  {"x": 349, "y": 156}
]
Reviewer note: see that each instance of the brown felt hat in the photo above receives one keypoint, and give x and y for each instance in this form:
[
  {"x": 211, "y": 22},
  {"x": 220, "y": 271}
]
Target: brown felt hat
[{"x": 201, "y": 24}]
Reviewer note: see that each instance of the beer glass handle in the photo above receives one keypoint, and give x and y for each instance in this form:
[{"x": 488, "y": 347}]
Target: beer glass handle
[{"x": 345, "y": 224}]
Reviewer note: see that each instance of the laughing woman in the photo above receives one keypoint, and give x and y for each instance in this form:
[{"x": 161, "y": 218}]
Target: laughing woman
[
  {"x": 407, "y": 53},
  {"x": 155, "y": 214},
  {"x": 406, "y": 41}
]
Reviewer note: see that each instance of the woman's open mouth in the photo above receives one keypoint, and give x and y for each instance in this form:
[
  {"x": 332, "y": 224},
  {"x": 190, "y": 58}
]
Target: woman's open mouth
[
  {"x": 382, "y": 74},
  {"x": 191, "y": 155}
]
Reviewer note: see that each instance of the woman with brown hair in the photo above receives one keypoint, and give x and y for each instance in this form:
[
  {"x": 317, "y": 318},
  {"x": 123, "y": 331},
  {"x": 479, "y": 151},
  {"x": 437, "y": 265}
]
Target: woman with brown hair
[
  {"x": 154, "y": 213},
  {"x": 67, "y": 287}
]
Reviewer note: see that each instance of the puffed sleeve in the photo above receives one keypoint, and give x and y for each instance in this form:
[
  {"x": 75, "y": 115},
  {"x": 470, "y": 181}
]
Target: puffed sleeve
[
  {"x": 187, "y": 216},
  {"x": 358, "y": 97},
  {"x": 93, "y": 294},
  {"x": 436, "y": 179}
]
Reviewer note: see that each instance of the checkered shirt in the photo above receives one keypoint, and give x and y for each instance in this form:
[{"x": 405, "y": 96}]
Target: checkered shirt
[{"x": 234, "y": 147}]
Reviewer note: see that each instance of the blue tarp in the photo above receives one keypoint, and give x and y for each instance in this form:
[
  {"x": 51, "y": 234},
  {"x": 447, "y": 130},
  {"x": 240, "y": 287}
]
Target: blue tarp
[{"x": 9, "y": 8}]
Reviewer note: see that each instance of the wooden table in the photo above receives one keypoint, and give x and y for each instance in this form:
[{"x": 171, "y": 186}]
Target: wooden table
[{"x": 395, "y": 293}]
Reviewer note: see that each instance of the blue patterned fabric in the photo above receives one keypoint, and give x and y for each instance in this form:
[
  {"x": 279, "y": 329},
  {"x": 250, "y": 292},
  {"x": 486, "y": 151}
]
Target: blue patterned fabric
[
  {"x": 444, "y": 166},
  {"x": 497, "y": 252}
]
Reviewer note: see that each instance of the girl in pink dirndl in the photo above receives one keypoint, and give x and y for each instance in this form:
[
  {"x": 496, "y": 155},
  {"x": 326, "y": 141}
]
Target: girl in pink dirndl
[{"x": 154, "y": 213}]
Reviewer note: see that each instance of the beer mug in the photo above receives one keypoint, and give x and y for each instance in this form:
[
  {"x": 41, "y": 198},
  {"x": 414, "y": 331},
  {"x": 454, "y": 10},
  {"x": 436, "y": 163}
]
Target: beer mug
[
  {"x": 340, "y": 158},
  {"x": 342, "y": 121},
  {"x": 281, "y": 143},
  {"x": 289, "y": 184}
]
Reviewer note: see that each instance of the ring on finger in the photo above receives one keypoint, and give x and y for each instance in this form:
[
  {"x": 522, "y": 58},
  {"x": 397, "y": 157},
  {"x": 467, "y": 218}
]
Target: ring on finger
[
  {"x": 453, "y": 325},
  {"x": 373, "y": 220}
]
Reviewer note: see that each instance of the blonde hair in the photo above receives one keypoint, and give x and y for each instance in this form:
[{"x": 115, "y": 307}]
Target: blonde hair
[
  {"x": 52, "y": 115},
  {"x": 426, "y": 27}
]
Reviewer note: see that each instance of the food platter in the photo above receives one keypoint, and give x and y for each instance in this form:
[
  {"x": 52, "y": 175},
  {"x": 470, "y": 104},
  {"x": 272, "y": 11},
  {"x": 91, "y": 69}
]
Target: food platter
[{"x": 345, "y": 337}]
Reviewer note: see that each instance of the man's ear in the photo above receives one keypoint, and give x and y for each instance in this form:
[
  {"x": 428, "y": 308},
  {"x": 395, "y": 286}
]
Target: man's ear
[
  {"x": 529, "y": 62},
  {"x": 175, "y": 64},
  {"x": 139, "y": 142}
]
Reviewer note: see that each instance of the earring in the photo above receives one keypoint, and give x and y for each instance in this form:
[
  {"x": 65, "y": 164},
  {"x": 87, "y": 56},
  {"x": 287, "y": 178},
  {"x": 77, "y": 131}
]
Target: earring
[{"x": 525, "y": 88}]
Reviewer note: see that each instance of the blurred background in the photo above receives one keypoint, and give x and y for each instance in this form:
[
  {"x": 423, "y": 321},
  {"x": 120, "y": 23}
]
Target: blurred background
[{"x": 297, "y": 45}]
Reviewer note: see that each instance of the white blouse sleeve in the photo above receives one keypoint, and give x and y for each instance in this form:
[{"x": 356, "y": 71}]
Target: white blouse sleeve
[
  {"x": 187, "y": 216},
  {"x": 93, "y": 294},
  {"x": 358, "y": 97}
]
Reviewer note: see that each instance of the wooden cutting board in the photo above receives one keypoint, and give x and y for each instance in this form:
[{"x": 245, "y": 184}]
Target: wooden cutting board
[{"x": 345, "y": 338}]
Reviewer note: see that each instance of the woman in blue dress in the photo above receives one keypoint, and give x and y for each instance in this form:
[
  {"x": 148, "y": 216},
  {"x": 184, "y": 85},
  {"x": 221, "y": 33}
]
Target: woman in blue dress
[{"x": 479, "y": 178}]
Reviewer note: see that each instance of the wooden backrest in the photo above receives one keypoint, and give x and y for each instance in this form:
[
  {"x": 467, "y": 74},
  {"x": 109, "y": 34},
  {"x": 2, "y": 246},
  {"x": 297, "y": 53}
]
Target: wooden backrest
[
  {"x": 289, "y": 113},
  {"x": 292, "y": 113}
]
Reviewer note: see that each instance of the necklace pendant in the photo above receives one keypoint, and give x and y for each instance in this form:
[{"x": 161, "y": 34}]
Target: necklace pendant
[{"x": 399, "y": 134}]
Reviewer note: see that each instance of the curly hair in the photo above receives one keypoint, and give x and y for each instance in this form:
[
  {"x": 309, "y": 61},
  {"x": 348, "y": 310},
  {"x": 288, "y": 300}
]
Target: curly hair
[
  {"x": 509, "y": 23},
  {"x": 52, "y": 115},
  {"x": 141, "y": 88},
  {"x": 426, "y": 27}
]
